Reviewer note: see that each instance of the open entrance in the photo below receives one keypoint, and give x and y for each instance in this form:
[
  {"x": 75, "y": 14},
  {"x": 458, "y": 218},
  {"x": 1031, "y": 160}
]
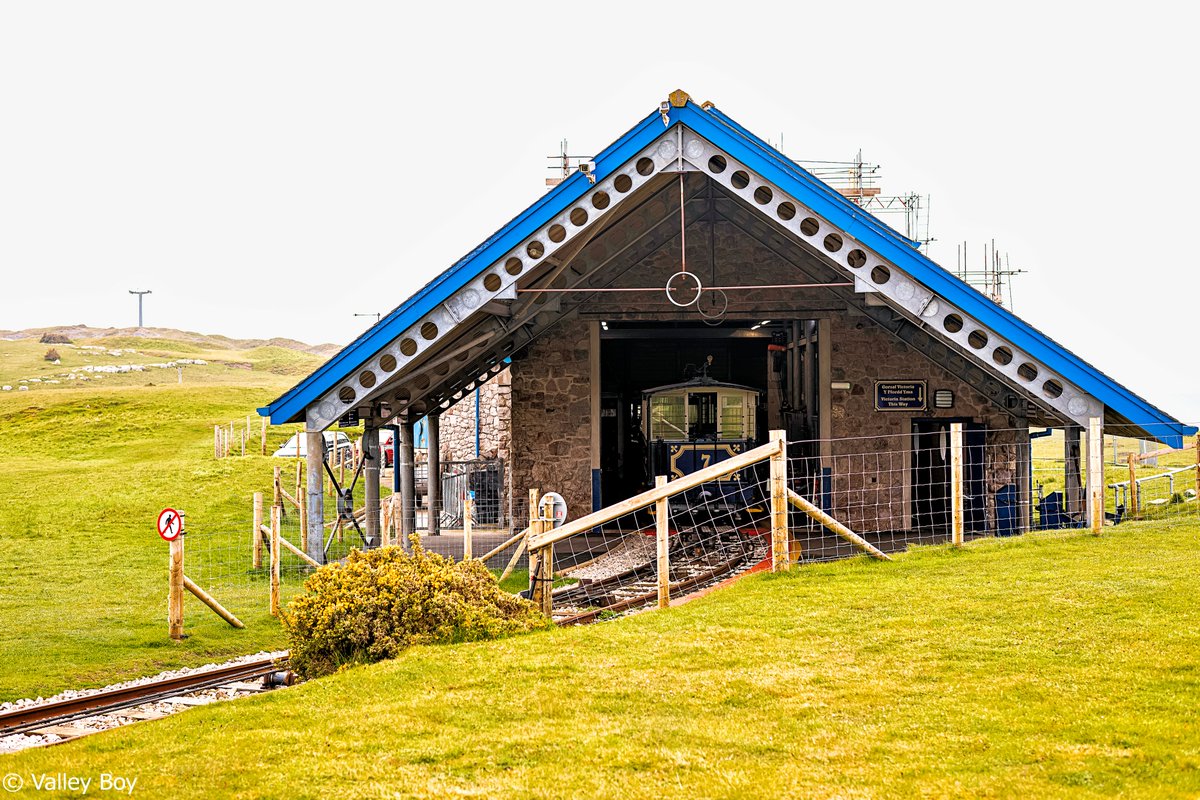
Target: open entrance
[
  {"x": 675, "y": 396},
  {"x": 696, "y": 369},
  {"x": 931, "y": 512}
]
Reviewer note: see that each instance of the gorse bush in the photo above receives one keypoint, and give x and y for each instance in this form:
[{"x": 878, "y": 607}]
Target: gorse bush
[{"x": 380, "y": 602}]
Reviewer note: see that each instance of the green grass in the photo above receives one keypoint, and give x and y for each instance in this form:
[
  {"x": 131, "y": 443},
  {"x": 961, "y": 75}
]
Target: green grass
[
  {"x": 1052, "y": 665},
  {"x": 86, "y": 469}
]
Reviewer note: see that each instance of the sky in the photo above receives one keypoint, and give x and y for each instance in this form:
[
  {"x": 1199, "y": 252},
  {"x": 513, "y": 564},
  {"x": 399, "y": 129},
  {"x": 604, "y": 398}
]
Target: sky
[{"x": 275, "y": 169}]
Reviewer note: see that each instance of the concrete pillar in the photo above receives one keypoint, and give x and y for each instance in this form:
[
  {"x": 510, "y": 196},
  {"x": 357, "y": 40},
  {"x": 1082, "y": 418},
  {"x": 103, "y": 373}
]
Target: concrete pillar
[
  {"x": 371, "y": 458},
  {"x": 314, "y": 447},
  {"x": 433, "y": 495},
  {"x": 405, "y": 462},
  {"x": 1072, "y": 478}
]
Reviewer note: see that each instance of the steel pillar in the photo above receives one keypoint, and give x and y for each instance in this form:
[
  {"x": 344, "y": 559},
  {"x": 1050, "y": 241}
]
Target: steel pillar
[
  {"x": 314, "y": 446},
  {"x": 433, "y": 444}
]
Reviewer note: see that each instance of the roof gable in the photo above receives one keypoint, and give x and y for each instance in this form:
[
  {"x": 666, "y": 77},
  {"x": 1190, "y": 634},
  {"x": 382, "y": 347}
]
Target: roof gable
[{"x": 723, "y": 133}]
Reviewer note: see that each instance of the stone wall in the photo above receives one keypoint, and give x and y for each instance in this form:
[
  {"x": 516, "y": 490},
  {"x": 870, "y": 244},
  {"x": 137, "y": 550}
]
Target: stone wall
[
  {"x": 871, "y": 450},
  {"x": 457, "y": 429},
  {"x": 552, "y": 419}
]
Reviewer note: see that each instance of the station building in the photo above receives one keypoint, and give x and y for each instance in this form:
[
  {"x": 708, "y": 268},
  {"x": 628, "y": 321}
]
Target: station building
[{"x": 691, "y": 245}]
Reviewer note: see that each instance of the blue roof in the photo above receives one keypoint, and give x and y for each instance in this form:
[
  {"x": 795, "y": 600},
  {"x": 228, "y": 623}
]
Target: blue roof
[{"x": 756, "y": 154}]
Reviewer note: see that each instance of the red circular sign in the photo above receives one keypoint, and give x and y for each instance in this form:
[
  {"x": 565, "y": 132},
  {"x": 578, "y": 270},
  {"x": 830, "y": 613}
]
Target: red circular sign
[{"x": 170, "y": 524}]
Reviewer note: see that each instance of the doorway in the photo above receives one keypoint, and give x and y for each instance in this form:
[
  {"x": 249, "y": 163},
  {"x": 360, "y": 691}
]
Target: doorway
[{"x": 931, "y": 511}]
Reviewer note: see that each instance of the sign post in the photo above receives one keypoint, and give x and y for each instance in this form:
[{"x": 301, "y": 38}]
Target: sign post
[{"x": 170, "y": 528}]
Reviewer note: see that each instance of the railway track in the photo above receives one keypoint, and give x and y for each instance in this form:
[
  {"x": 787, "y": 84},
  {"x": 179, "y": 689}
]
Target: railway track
[
  {"x": 125, "y": 704},
  {"x": 634, "y": 587}
]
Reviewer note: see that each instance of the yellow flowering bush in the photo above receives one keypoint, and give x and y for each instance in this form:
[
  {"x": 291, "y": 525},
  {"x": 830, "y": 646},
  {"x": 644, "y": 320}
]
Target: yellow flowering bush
[{"x": 377, "y": 603}]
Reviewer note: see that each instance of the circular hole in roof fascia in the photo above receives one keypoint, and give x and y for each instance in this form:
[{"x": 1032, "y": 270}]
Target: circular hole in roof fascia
[
  {"x": 952, "y": 323},
  {"x": 785, "y": 211},
  {"x": 429, "y": 331},
  {"x": 856, "y": 258},
  {"x": 977, "y": 339},
  {"x": 1027, "y": 371},
  {"x": 556, "y": 233},
  {"x": 513, "y": 266},
  {"x": 881, "y": 275},
  {"x": 809, "y": 226},
  {"x": 408, "y": 347},
  {"x": 739, "y": 179},
  {"x": 644, "y": 166},
  {"x": 535, "y": 249},
  {"x": 833, "y": 242},
  {"x": 717, "y": 164},
  {"x": 492, "y": 282},
  {"x": 1052, "y": 389},
  {"x": 387, "y": 362},
  {"x": 763, "y": 195},
  {"x": 622, "y": 183},
  {"x": 579, "y": 216},
  {"x": 601, "y": 200},
  {"x": 347, "y": 394}
]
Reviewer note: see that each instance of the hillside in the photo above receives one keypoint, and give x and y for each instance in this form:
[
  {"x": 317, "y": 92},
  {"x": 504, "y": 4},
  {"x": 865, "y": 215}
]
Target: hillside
[
  {"x": 146, "y": 357},
  {"x": 133, "y": 337}
]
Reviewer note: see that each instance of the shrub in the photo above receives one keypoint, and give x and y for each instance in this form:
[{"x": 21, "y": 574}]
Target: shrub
[
  {"x": 380, "y": 602},
  {"x": 51, "y": 355},
  {"x": 54, "y": 338}
]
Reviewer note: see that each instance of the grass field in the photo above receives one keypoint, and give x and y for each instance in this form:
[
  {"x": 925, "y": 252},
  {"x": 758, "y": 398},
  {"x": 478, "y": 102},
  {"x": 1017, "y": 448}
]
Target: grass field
[
  {"x": 86, "y": 469},
  {"x": 1053, "y": 665}
]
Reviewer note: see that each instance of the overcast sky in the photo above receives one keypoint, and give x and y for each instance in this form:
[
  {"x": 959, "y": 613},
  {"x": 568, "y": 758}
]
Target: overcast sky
[{"x": 273, "y": 169}]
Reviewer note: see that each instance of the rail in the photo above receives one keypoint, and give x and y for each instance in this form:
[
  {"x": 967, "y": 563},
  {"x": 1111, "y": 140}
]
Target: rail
[{"x": 42, "y": 715}]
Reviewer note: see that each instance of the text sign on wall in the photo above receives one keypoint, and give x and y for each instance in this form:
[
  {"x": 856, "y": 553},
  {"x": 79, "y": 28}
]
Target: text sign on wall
[{"x": 901, "y": 396}]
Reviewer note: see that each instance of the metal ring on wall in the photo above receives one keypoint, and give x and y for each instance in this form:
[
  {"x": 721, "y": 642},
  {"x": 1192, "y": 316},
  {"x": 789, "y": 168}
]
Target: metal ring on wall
[
  {"x": 716, "y": 313},
  {"x": 687, "y": 286}
]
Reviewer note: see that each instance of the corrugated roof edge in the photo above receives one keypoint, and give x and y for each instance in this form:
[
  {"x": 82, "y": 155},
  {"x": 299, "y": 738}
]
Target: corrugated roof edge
[
  {"x": 291, "y": 403},
  {"x": 849, "y": 217}
]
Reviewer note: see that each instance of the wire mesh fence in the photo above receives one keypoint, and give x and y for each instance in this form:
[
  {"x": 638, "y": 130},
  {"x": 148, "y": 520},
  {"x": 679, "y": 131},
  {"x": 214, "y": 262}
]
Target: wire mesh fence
[
  {"x": 712, "y": 532},
  {"x": 892, "y": 491}
]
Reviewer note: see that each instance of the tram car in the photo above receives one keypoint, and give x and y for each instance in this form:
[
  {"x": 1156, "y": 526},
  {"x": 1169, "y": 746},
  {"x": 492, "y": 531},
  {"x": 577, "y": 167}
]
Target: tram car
[{"x": 692, "y": 425}]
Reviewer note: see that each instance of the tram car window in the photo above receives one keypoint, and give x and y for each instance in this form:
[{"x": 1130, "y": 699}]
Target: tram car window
[{"x": 692, "y": 425}]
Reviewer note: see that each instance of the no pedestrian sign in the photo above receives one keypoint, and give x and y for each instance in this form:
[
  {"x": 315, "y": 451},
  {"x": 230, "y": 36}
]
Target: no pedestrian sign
[{"x": 170, "y": 524}]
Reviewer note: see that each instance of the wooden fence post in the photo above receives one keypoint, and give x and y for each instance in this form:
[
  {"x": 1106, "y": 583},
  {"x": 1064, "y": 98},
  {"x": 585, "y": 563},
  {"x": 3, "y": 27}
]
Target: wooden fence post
[
  {"x": 275, "y": 522},
  {"x": 1198, "y": 468},
  {"x": 1134, "y": 500},
  {"x": 216, "y": 441},
  {"x": 278, "y": 487},
  {"x": 244, "y": 441},
  {"x": 541, "y": 561},
  {"x": 780, "y": 552},
  {"x": 303, "y": 512},
  {"x": 175, "y": 589},
  {"x": 1095, "y": 473},
  {"x": 662, "y": 531},
  {"x": 468, "y": 523},
  {"x": 956, "y": 482},
  {"x": 263, "y": 435},
  {"x": 229, "y": 440},
  {"x": 256, "y": 540}
]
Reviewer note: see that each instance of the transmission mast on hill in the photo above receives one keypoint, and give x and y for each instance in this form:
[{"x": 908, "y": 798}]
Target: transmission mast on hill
[{"x": 139, "y": 294}]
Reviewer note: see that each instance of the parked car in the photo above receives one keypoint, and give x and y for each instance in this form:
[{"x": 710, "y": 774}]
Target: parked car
[
  {"x": 335, "y": 441},
  {"x": 387, "y": 446}
]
